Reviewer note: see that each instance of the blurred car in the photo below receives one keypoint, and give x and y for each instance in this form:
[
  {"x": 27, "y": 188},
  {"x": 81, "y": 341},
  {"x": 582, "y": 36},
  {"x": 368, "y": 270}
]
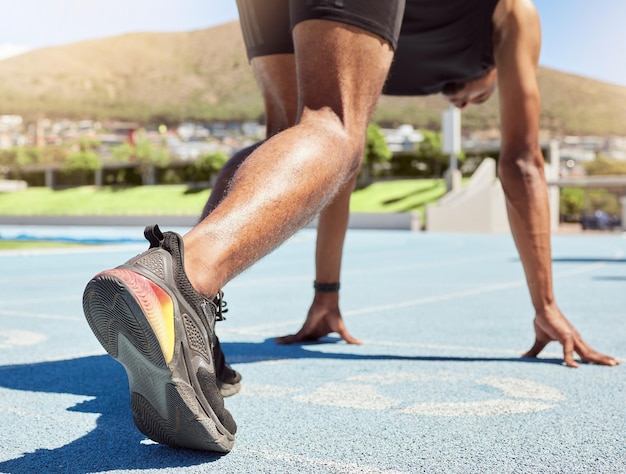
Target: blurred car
[{"x": 600, "y": 220}]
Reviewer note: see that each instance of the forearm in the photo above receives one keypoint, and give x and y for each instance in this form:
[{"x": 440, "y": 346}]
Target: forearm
[
  {"x": 526, "y": 194},
  {"x": 331, "y": 232}
]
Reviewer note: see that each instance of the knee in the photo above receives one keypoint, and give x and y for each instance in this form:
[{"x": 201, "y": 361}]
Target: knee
[{"x": 345, "y": 141}]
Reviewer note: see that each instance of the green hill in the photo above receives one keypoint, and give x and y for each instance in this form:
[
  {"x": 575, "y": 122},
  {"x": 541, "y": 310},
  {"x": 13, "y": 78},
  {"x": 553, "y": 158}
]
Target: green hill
[{"x": 204, "y": 75}]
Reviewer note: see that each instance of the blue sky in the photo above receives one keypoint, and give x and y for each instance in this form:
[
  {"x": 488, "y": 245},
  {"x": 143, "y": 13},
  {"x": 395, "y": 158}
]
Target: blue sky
[{"x": 579, "y": 36}]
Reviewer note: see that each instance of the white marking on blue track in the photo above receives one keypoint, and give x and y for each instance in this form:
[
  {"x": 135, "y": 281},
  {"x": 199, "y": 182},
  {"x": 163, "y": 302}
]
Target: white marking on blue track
[
  {"x": 9, "y": 339},
  {"x": 512, "y": 395}
]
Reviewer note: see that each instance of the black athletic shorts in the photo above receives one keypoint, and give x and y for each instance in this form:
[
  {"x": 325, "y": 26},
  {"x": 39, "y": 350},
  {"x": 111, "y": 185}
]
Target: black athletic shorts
[{"x": 267, "y": 24}]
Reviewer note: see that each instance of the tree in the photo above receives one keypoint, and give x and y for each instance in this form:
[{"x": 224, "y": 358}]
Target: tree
[
  {"x": 15, "y": 159},
  {"x": 575, "y": 202},
  {"x": 83, "y": 160},
  {"x": 208, "y": 164},
  {"x": 26, "y": 156},
  {"x": 572, "y": 203},
  {"x": 605, "y": 166},
  {"x": 54, "y": 155},
  {"x": 429, "y": 151},
  {"x": 376, "y": 152},
  {"x": 146, "y": 154},
  {"x": 7, "y": 161}
]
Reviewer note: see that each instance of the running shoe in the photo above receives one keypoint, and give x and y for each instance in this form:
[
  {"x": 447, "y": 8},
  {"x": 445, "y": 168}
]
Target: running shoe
[
  {"x": 228, "y": 379},
  {"x": 148, "y": 317}
]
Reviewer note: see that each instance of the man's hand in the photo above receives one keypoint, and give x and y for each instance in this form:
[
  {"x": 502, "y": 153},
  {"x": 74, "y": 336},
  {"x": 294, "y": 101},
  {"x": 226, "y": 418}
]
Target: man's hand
[
  {"x": 320, "y": 322},
  {"x": 553, "y": 326}
]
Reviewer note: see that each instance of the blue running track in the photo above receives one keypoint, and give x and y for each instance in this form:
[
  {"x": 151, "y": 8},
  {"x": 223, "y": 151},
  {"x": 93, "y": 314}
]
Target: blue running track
[{"x": 438, "y": 386}]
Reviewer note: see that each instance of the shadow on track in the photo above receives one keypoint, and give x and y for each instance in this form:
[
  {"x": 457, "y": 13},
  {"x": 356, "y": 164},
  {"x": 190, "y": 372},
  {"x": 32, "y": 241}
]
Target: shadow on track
[
  {"x": 249, "y": 352},
  {"x": 115, "y": 443}
]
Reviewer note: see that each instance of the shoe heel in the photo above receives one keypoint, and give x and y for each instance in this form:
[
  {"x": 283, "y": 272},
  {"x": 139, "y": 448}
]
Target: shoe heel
[
  {"x": 184, "y": 429},
  {"x": 120, "y": 302}
]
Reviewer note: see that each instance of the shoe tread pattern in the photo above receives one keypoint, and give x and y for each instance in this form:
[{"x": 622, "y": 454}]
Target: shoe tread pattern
[
  {"x": 111, "y": 310},
  {"x": 114, "y": 315}
]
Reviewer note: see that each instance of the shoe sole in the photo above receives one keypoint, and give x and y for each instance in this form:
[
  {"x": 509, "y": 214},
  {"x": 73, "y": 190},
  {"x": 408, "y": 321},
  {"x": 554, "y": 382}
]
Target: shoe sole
[
  {"x": 129, "y": 316},
  {"x": 229, "y": 389}
]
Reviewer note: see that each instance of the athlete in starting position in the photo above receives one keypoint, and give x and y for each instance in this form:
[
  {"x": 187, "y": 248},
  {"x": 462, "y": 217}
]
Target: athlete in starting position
[
  {"x": 156, "y": 313},
  {"x": 460, "y": 49}
]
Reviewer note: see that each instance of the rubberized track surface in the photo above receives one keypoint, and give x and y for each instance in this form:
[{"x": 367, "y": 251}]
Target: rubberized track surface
[{"x": 438, "y": 386}]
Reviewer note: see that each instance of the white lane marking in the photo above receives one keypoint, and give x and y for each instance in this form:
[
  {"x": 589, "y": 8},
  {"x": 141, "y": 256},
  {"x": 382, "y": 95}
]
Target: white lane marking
[
  {"x": 47, "y": 301},
  {"x": 81, "y": 355},
  {"x": 306, "y": 277},
  {"x": 404, "y": 377},
  {"x": 523, "y": 396},
  {"x": 270, "y": 329},
  {"x": 482, "y": 408},
  {"x": 28, "y": 314},
  {"x": 443, "y": 347},
  {"x": 349, "y": 395},
  {"x": 17, "y": 338},
  {"x": 519, "y": 388},
  {"x": 88, "y": 248},
  {"x": 462, "y": 294},
  {"x": 35, "y": 407},
  {"x": 361, "y": 393},
  {"x": 266, "y": 391},
  {"x": 330, "y": 466}
]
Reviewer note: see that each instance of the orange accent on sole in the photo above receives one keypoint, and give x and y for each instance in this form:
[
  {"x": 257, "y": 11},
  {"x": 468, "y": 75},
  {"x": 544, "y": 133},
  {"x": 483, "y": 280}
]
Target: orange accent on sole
[{"x": 156, "y": 304}]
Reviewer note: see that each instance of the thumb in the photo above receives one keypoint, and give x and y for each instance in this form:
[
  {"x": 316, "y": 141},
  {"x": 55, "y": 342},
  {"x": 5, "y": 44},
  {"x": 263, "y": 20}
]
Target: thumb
[{"x": 536, "y": 349}]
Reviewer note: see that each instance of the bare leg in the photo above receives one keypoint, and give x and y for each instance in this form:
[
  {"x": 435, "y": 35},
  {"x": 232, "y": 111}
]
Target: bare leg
[
  {"x": 276, "y": 78},
  {"x": 324, "y": 315},
  {"x": 287, "y": 180}
]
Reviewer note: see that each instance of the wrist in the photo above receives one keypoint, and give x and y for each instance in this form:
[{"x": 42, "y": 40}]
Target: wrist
[{"x": 322, "y": 287}]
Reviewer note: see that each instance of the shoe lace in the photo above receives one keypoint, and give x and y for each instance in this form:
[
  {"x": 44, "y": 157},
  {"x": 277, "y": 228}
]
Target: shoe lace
[{"x": 221, "y": 306}]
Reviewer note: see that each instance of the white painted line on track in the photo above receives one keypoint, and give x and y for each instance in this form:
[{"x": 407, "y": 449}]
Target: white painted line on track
[
  {"x": 465, "y": 293},
  {"x": 43, "y": 360},
  {"x": 44, "y": 279},
  {"x": 267, "y": 329},
  {"x": 306, "y": 277},
  {"x": 513, "y": 395},
  {"x": 482, "y": 408},
  {"x": 314, "y": 463},
  {"x": 20, "y": 338},
  {"x": 88, "y": 248},
  {"x": 39, "y": 412},
  {"x": 49, "y": 316},
  {"x": 266, "y": 391},
  {"x": 43, "y": 301},
  {"x": 522, "y": 396},
  {"x": 349, "y": 395},
  {"x": 518, "y": 388}
]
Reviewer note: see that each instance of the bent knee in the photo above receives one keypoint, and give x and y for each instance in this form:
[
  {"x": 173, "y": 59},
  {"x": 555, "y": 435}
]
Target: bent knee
[{"x": 351, "y": 134}]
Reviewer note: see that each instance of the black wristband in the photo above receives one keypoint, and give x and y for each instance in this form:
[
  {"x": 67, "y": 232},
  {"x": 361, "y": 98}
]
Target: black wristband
[{"x": 326, "y": 287}]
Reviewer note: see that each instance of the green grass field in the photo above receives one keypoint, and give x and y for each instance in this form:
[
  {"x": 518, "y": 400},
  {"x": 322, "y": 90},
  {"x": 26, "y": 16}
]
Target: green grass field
[
  {"x": 38, "y": 244},
  {"x": 387, "y": 196},
  {"x": 91, "y": 201},
  {"x": 398, "y": 196}
]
